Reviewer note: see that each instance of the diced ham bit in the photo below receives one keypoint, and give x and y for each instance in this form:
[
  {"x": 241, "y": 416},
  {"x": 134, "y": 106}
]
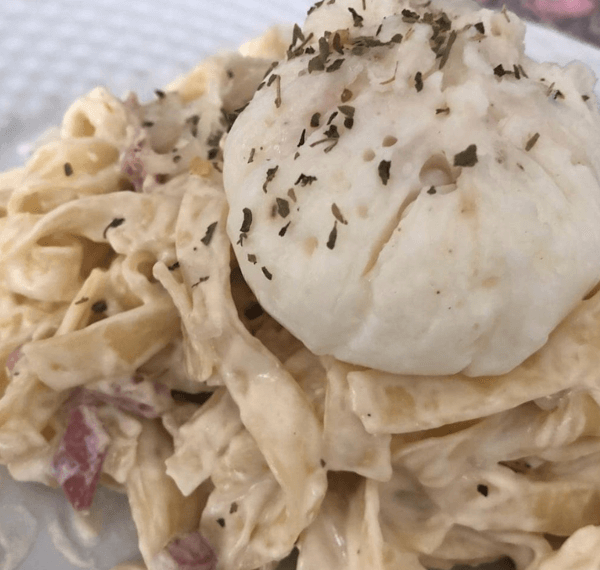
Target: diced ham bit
[
  {"x": 77, "y": 464},
  {"x": 129, "y": 405},
  {"x": 13, "y": 358},
  {"x": 132, "y": 165},
  {"x": 188, "y": 552},
  {"x": 135, "y": 395}
]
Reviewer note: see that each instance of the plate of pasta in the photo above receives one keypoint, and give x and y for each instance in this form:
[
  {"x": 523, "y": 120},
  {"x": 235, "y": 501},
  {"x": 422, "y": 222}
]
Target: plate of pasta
[{"x": 171, "y": 394}]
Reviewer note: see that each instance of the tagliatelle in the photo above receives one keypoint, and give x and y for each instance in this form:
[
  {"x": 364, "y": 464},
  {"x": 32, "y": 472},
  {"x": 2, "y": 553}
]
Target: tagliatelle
[{"x": 123, "y": 305}]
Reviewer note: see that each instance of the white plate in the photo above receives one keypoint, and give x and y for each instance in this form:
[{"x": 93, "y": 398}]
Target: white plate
[{"x": 54, "y": 51}]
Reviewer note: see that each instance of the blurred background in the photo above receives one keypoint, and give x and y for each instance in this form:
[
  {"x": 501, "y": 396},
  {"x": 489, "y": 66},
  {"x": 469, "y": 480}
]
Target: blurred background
[
  {"x": 581, "y": 18},
  {"x": 53, "y": 51}
]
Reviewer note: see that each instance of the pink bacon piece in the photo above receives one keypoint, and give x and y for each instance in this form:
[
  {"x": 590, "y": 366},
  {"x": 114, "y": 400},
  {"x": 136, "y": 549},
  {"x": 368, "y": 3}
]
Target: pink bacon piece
[
  {"x": 133, "y": 167},
  {"x": 134, "y": 395},
  {"x": 77, "y": 464},
  {"x": 188, "y": 552},
  {"x": 13, "y": 358}
]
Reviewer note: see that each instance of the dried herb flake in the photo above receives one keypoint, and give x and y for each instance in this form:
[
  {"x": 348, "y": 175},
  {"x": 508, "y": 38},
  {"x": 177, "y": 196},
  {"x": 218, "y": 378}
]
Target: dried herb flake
[
  {"x": 114, "y": 224},
  {"x": 304, "y": 180},
  {"x": 531, "y": 142},
  {"x": 409, "y": 16},
  {"x": 384, "y": 171},
  {"x": 284, "y": 229},
  {"x": 357, "y": 19},
  {"x": 247, "y": 221},
  {"x": 316, "y": 64},
  {"x": 315, "y": 7},
  {"x": 332, "y": 237},
  {"x": 338, "y": 214},
  {"x": 335, "y": 65},
  {"x": 419, "y": 82},
  {"x": 332, "y": 132},
  {"x": 467, "y": 157},
  {"x": 447, "y": 49},
  {"x": 283, "y": 207},
  {"x": 297, "y": 34},
  {"x": 201, "y": 280},
  {"x": 271, "y": 172},
  {"x": 210, "y": 231}
]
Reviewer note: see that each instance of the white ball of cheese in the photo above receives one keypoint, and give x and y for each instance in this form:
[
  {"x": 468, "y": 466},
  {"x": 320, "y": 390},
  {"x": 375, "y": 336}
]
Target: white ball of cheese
[{"x": 409, "y": 192}]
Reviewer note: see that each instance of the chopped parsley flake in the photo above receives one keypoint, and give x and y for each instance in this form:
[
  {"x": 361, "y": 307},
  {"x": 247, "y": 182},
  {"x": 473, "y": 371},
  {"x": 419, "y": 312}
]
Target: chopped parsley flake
[
  {"x": 467, "y": 157},
  {"x": 419, "y": 82},
  {"x": 335, "y": 65},
  {"x": 338, "y": 214},
  {"x": 332, "y": 237},
  {"x": 304, "y": 180},
  {"x": 210, "y": 230},
  {"x": 271, "y": 172},
  {"x": 357, "y": 19},
  {"x": 283, "y": 207},
  {"x": 384, "y": 171},
  {"x": 531, "y": 142},
  {"x": 247, "y": 222},
  {"x": 284, "y": 229},
  {"x": 114, "y": 224}
]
